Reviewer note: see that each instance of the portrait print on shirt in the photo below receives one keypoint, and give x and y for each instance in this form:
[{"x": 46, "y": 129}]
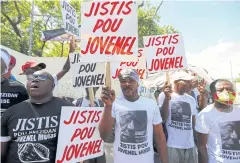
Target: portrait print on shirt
[
  {"x": 230, "y": 135},
  {"x": 133, "y": 126},
  {"x": 181, "y": 112},
  {"x": 181, "y": 115},
  {"x": 30, "y": 152}
]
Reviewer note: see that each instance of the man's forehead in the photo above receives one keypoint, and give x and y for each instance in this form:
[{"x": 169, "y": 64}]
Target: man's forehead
[{"x": 224, "y": 84}]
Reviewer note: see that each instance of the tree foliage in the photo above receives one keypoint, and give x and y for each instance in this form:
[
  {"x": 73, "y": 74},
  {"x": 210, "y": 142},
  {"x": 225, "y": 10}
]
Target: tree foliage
[{"x": 16, "y": 20}]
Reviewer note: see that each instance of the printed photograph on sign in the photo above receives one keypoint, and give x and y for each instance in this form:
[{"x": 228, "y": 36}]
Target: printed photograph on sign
[
  {"x": 70, "y": 19},
  {"x": 109, "y": 31},
  {"x": 230, "y": 135},
  {"x": 86, "y": 74},
  {"x": 165, "y": 52},
  {"x": 79, "y": 137},
  {"x": 139, "y": 65}
]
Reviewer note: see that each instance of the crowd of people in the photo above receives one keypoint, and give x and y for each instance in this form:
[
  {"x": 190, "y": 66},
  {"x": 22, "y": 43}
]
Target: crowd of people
[{"x": 180, "y": 126}]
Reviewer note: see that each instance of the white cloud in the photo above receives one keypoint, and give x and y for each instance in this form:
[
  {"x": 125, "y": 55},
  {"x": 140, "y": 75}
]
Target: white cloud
[{"x": 216, "y": 59}]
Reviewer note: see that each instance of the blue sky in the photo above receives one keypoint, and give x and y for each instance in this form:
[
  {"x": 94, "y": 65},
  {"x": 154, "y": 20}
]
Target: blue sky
[{"x": 202, "y": 23}]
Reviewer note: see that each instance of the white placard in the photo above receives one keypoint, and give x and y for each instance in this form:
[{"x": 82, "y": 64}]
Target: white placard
[
  {"x": 165, "y": 52},
  {"x": 70, "y": 20},
  {"x": 109, "y": 31},
  {"x": 139, "y": 65},
  {"x": 86, "y": 74},
  {"x": 78, "y": 137}
]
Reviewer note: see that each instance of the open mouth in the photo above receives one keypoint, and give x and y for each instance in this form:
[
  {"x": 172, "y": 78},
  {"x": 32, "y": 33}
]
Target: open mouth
[{"x": 34, "y": 87}]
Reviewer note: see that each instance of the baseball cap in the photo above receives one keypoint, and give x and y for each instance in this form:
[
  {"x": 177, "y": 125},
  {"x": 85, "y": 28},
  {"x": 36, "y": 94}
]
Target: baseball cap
[
  {"x": 31, "y": 64},
  {"x": 6, "y": 57},
  {"x": 181, "y": 75},
  {"x": 12, "y": 60},
  {"x": 129, "y": 73}
]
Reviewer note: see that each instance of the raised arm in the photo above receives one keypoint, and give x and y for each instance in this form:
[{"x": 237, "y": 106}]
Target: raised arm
[
  {"x": 107, "y": 120},
  {"x": 66, "y": 66}
]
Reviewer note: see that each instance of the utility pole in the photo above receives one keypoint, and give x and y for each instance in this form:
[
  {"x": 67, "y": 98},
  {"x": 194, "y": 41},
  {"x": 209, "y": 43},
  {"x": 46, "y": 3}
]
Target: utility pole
[{"x": 31, "y": 30}]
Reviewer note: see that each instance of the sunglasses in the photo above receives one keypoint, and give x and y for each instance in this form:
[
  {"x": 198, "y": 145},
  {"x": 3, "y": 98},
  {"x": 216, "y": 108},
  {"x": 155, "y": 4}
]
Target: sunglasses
[{"x": 42, "y": 77}]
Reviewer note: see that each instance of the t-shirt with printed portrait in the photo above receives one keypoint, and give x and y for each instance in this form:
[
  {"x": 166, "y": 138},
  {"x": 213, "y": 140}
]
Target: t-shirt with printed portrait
[
  {"x": 134, "y": 129},
  {"x": 33, "y": 131},
  {"x": 223, "y": 130},
  {"x": 179, "y": 122}
]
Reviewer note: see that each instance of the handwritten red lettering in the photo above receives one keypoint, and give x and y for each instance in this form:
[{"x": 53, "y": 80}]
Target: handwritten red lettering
[
  {"x": 109, "y": 24},
  {"x": 162, "y": 40},
  {"x": 80, "y": 150},
  {"x": 165, "y": 51},
  {"x": 84, "y": 133},
  {"x": 105, "y": 8},
  {"x": 166, "y": 63},
  {"x": 120, "y": 45},
  {"x": 81, "y": 117}
]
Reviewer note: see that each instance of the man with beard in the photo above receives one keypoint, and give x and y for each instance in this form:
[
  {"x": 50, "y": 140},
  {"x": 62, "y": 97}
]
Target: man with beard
[
  {"x": 218, "y": 126},
  {"x": 178, "y": 111},
  {"x": 12, "y": 92},
  {"x": 136, "y": 119},
  {"x": 29, "y": 130}
]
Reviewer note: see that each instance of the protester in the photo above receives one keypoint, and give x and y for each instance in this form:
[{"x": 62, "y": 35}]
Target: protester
[
  {"x": 157, "y": 93},
  {"x": 30, "y": 67},
  {"x": 218, "y": 126},
  {"x": 29, "y": 130},
  {"x": 136, "y": 119},
  {"x": 12, "y": 64},
  {"x": 12, "y": 92},
  {"x": 178, "y": 111},
  {"x": 85, "y": 102}
]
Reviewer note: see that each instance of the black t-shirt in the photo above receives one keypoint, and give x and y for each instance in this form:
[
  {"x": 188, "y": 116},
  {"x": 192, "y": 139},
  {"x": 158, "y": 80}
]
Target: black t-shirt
[
  {"x": 33, "y": 129},
  {"x": 12, "y": 93}
]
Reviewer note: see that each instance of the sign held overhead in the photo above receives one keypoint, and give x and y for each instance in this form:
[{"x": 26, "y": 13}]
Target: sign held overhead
[
  {"x": 109, "y": 30},
  {"x": 70, "y": 20},
  {"x": 165, "y": 52}
]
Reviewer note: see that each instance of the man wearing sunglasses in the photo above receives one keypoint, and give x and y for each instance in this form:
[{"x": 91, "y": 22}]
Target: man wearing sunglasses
[
  {"x": 12, "y": 92},
  {"x": 30, "y": 128},
  {"x": 178, "y": 111}
]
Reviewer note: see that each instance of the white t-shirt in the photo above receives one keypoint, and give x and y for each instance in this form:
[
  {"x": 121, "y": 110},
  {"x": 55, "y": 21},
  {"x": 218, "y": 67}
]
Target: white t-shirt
[
  {"x": 179, "y": 121},
  {"x": 134, "y": 129},
  {"x": 223, "y": 131}
]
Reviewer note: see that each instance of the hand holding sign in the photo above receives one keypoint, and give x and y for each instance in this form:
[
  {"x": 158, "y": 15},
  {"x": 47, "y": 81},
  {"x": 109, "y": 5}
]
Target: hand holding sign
[
  {"x": 72, "y": 46},
  {"x": 108, "y": 96},
  {"x": 167, "y": 89}
]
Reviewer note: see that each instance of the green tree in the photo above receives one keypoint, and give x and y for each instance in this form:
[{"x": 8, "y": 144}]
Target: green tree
[{"x": 15, "y": 24}]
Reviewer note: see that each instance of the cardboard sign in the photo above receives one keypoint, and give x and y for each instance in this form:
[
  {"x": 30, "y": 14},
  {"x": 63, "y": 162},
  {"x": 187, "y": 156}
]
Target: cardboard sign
[
  {"x": 86, "y": 74},
  {"x": 139, "y": 65},
  {"x": 109, "y": 30},
  {"x": 78, "y": 137},
  {"x": 165, "y": 52},
  {"x": 69, "y": 16}
]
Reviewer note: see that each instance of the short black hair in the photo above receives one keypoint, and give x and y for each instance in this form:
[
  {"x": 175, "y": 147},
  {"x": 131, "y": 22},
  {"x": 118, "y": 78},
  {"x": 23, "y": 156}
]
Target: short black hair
[{"x": 213, "y": 84}]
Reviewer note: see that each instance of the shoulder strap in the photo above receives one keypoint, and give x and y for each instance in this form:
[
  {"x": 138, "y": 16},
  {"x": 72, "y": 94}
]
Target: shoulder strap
[{"x": 79, "y": 101}]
